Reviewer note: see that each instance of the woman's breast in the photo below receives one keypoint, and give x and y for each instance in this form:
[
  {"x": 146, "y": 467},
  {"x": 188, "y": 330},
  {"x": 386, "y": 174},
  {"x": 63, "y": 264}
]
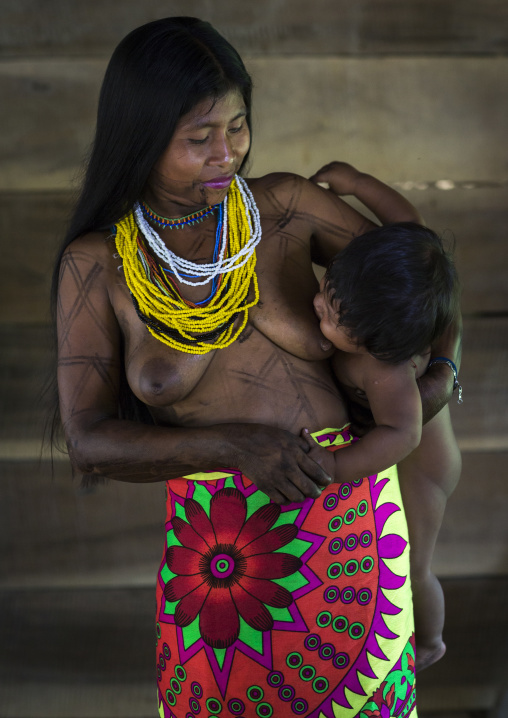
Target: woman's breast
[
  {"x": 275, "y": 373},
  {"x": 254, "y": 381},
  {"x": 285, "y": 315},
  {"x": 160, "y": 376}
]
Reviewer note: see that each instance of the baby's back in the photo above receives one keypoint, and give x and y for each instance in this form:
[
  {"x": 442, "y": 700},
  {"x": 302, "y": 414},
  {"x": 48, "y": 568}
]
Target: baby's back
[{"x": 350, "y": 369}]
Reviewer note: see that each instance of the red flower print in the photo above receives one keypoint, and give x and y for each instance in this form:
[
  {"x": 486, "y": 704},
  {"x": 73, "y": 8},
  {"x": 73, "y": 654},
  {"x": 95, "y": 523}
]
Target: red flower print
[
  {"x": 225, "y": 565},
  {"x": 390, "y": 697},
  {"x": 410, "y": 663},
  {"x": 378, "y": 694},
  {"x": 384, "y": 704}
]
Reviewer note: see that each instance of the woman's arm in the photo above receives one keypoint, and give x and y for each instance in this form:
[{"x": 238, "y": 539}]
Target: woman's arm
[
  {"x": 89, "y": 366},
  {"x": 436, "y": 385}
]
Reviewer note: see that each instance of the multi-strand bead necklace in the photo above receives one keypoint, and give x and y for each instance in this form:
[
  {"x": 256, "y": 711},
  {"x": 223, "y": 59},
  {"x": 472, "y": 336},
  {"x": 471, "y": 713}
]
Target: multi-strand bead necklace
[
  {"x": 189, "y": 219},
  {"x": 194, "y": 328}
]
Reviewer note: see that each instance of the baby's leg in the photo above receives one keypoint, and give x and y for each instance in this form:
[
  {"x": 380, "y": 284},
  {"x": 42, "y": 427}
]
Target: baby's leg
[{"x": 428, "y": 476}]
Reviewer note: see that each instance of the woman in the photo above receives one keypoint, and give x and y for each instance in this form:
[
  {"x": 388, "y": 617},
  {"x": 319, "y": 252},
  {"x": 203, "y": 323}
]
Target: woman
[{"x": 170, "y": 370}]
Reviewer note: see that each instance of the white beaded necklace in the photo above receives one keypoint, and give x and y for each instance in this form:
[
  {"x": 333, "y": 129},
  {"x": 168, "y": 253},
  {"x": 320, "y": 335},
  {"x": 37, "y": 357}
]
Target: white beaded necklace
[{"x": 180, "y": 266}]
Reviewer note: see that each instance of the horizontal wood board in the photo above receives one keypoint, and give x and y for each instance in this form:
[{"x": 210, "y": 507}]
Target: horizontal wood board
[
  {"x": 473, "y": 672},
  {"x": 481, "y": 422},
  {"x": 83, "y": 653},
  {"x": 54, "y": 534},
  {"x": 434, "y": 129},
  {"x": 77, "y": 654},
  {"x": 287, "y": 26},
  {"x": 406, "y": 119},
  {"x": 474, "y": 535},
  {"x": 484, "y": 412},
  {"x": 476, "y": 219}
]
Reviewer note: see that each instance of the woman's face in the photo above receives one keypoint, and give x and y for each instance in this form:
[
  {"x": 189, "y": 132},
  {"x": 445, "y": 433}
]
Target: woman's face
[{"x": 206, "y": 151}]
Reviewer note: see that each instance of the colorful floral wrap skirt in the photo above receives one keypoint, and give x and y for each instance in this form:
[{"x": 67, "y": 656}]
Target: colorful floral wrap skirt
[{"x": 298, "y": 610}]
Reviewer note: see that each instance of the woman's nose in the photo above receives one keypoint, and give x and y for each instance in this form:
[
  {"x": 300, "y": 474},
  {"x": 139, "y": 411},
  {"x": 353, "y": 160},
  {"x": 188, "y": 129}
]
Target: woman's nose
[{"x": 223, "y": 152}]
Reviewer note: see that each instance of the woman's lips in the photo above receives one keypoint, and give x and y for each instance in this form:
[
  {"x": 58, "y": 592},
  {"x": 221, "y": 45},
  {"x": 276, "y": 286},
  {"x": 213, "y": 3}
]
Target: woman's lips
[{"x": 219, "y": 182}]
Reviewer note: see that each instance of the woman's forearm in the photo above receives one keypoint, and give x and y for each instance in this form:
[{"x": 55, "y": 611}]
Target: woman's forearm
[
  {"x": 436, "y": 385},
  {"x": 275, "y": 460},
  {"x": 449, "y": 344},
  {"x": 134, "y": 452}
]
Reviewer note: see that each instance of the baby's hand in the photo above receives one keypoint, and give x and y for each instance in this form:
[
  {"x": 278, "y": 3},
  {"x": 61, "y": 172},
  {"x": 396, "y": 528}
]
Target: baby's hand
[
  {"x": 321, "y": 456},
  {"x": 340, "y": 176}
]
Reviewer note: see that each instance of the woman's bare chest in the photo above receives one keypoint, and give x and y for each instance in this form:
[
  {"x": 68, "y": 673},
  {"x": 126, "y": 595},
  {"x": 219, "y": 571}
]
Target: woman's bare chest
[{"x": 283, "y": 319}]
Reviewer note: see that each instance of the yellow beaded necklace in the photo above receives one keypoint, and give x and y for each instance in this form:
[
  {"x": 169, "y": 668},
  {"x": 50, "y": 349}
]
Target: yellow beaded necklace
[{"x": 180, "y": 324}]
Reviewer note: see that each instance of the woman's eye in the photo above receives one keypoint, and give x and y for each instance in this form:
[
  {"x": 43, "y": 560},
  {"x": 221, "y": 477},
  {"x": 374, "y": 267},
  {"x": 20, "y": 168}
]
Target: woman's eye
[
  {"x": 198, "y": 142},
  {"x": 236, "y": 129}
]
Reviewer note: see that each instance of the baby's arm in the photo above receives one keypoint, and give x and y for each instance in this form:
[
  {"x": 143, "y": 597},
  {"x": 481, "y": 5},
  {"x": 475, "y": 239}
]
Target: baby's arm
[
  {"x": 386, "y": 203},
  {"x": 394, "y": 399},
  {"x": 436, "y": 385}
]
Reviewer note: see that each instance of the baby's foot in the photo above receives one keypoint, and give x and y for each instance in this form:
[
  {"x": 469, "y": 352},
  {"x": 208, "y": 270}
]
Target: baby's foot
[{"x": 427, "y": 655}]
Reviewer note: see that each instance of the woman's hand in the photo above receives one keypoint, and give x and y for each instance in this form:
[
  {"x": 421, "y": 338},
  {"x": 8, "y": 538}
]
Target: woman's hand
[
  {"x": 320, "y": 455},
  {"x": 277, "y": 462},
  {"x": 341, "y": 177}
]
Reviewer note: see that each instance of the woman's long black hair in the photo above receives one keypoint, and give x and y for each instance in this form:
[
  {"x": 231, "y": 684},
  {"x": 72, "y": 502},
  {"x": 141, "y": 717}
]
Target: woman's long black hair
[{"x": 158, "y": 73}]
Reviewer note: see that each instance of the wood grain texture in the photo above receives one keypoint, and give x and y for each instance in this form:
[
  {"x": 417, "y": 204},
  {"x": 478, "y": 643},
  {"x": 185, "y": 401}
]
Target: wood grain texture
[
  {"x": 406, "y": 119},
  {"x": 77, "y": 653},
  {"x": 476, "y": 219},
  {"x": 52, "y": 534},
  {"x": 32, "y": 226},
  {"x": 288, "y": 26},
  {"x": 483, "y": 376},
  {"x": 25, "y": 363},
  {"x": 48, "y": 117},
  {"x": 472, "y": 674},
  {"x": 84, "y": 653},
  {"x": 481, "y": 422},
  {"x": 55, "y": 534},
  {"x": 474, "y": 535}
]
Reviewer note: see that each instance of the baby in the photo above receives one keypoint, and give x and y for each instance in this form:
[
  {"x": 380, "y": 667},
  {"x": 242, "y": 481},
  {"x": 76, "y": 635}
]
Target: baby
[{"x": 383, "y": 303}]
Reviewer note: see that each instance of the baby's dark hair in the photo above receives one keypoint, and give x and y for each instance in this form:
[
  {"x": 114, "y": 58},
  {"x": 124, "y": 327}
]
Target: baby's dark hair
[{"x": 396, "y": 290}]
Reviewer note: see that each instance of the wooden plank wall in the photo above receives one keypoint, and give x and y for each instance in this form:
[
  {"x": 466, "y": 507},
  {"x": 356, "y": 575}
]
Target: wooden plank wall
[{"x": 414, "y": 92}]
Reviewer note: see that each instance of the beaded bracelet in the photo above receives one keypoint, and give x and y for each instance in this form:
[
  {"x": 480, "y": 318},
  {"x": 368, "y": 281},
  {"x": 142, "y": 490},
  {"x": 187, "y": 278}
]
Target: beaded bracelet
[{"x": 456, "y": 385}]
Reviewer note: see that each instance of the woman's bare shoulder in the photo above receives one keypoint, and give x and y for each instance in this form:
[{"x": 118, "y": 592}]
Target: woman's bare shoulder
[
  {"x": 90, "y": 262},
  {"x": 92, "y": 255},
  {"x": 278, "y": 182},
  {"x": 95, "y": 245},
  {"x": 285, "y": 191}
]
